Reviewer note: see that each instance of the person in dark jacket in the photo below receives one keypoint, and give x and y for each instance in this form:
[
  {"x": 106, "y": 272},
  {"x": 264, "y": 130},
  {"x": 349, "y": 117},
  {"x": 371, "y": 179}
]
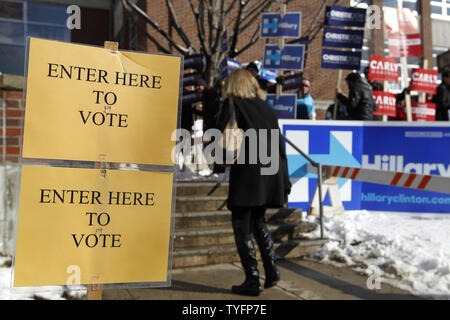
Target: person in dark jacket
[
  {"x": 442, "y": 98},
  {"x": 377, "y": 86},
  {"x": 251, "y": 191},
  {"x": 360, "y": 104}
]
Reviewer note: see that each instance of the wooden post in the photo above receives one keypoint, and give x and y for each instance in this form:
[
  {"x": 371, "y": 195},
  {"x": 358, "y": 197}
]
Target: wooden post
[
  {"x": 281, "y": 46},
  {"x": 95, "y": 290},
  {"x": 385, "y": 87},
  {"x": 404, "y": 66},
  {"x": 336, "y": 101},
  {"x": 423, "y": 95}
]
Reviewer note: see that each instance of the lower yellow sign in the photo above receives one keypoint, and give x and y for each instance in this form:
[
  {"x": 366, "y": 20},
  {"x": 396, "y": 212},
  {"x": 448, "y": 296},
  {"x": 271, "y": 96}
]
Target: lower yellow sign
[{"x": 79, "y": 227}]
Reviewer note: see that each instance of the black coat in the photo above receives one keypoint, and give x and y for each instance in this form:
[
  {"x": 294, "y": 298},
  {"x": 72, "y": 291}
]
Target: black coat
[
  {"x": 360, "y": 104},
  {"x": 248, "y": 187},
  {"x": 442, "y": 100}
]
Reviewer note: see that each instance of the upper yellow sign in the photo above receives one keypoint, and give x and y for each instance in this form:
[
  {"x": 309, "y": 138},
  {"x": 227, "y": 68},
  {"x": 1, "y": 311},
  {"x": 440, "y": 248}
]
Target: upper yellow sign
[{"x": 93, "y": 104}]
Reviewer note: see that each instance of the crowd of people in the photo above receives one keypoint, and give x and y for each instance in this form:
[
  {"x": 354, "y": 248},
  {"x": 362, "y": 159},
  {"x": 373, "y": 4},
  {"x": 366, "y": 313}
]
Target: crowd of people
[{"x": 357, "y": 105}]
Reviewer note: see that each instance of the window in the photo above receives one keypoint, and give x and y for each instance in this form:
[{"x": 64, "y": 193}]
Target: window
[
  {"x": 440, "y": 9},
  {"x": 21, "y": 19}
]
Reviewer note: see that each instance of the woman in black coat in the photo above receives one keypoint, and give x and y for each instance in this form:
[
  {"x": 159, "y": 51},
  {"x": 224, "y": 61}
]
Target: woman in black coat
[{"x": 253, "y": 187}]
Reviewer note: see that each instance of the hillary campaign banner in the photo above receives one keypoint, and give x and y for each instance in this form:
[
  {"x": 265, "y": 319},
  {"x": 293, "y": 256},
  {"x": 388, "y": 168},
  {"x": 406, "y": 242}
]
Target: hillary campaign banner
[
  {"x": 275, "y": 26},
  {"x": 345, "y": 17},
  {"x": 285, "y": 106},
  {"x": 347, "y": 60},
  {"x": 383, "y": 69},
  {"x": 416, "y": 147},
  {"x": 343, "y": 38},
  {"x": 292, "y": 57},
  {"x": 386, "y": 103},
  {"x": 424, "y": 80},
  {"x": 227, "y": 66}
]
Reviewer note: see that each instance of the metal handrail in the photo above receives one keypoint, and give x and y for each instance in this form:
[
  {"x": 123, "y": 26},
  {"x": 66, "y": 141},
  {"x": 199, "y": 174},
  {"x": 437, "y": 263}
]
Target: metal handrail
[{"x": 319, "y": 181}]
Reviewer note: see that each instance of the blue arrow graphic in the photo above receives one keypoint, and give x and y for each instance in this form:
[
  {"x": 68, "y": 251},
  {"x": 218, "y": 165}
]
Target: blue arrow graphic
[{"x": 338, "y": 156}]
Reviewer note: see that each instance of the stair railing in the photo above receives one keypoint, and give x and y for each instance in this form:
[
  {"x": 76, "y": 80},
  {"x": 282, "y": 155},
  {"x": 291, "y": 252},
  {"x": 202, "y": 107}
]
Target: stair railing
[{"x": 319, "y": 180}]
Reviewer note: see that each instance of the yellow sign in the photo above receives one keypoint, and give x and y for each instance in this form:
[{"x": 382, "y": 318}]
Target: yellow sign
[
  {"x": 93, "y": 104},
  {"x": 77, "y": 227}
]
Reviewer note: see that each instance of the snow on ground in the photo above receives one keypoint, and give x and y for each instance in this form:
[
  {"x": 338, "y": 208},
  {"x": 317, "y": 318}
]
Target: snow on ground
[
  {"x": 409, "y": 251},
  {"x": 47, "y": 293}
]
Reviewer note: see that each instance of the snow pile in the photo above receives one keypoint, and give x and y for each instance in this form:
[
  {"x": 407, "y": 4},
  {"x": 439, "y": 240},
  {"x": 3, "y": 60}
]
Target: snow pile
[
  {"x": 409, "y": 251},
  {"x": 37, "y": 293}
]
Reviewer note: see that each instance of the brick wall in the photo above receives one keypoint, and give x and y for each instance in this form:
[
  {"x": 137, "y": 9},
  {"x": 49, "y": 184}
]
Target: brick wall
[
  {"x": 323, "y": 81},
  {"x": 14, "y": 103}
]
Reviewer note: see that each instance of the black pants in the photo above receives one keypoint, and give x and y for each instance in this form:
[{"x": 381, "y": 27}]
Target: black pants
[
  {"x": 247, "y": 222},
  {"x": 248, "y": 217}
]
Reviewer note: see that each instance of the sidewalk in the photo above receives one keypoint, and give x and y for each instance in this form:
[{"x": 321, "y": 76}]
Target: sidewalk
[{"x": 300, "y": 280}]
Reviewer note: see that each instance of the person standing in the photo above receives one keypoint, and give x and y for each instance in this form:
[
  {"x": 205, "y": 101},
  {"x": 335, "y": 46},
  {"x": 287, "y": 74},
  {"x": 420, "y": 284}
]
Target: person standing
[
  {"x": 305, "y": 103},
  {"x": 442, "y": 98},
  {"x": 377, "y": 86},
  {"x": 251, "y": 192},
  {"x": 360, "y": 104}
]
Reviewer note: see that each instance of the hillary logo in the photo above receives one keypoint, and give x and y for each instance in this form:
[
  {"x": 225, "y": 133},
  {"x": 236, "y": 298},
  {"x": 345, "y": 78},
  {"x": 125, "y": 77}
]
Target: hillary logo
[{"x": 332, "y": 147}]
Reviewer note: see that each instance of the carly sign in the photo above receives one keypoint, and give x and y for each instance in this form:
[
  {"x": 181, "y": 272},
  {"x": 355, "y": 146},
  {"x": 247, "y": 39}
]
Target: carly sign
[
  {"x": 383, "y": 69},
  {"x": 423, "y": 111},
  {"x": 424, "y": 80},
  {"x": 93, "y": 104},
  {"x": 386, "y": 103},
  {"x": 77, "y": 227},
  {"x": 405, "y": 45}
]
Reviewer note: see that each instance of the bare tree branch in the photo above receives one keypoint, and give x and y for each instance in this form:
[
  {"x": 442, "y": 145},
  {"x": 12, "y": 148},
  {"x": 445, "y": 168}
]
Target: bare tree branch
[
  {"x": 235, "y": 33},
  {"x": 255, "y": 38},
  {"x": 134, "y": 8},
  {"x": 199, "y": 21},
  {"x": 220, "y": 26},
  {"x": 178, "y": 28},
  {"x": 148, "y": 35}
]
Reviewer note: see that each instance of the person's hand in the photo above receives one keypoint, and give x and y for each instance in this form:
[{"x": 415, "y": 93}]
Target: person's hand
[{"x": 338, "y": 91}]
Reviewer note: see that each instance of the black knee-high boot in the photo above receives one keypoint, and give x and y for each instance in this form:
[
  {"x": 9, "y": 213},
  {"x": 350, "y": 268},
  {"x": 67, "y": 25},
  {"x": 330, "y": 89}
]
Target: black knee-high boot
[
  {"x": 247, "y": 253},
  {"x": 265, "y": 244}
]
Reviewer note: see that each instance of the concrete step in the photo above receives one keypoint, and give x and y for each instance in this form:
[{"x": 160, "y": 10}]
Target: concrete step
[
  {"x": 186, "y": 204},
  {"x": 217, "y": 236},
  {"x": 209, "y": 219},
  {"x": 202, "y": 189},
  {"x": 227, "y": 253}
]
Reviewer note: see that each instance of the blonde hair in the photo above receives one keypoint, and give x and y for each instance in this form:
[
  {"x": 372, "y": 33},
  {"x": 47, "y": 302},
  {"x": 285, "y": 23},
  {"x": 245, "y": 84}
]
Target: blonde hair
[{"x": 241, "y": 83}]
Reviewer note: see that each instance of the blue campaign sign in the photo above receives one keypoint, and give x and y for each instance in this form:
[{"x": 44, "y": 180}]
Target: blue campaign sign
[
  {"x": 342, "y": 38},
  {"x": 347, "y": 60},
  {"x": 273, "y": 26},
  {"x": 404, "y": 147},
  {"x": 345, "y": 16},
  {"x": 285, "y": 106},
  {"x": 227, "y": 66},
  {"x": 292, "y": 57},
  {"x": 268, "y": 74},
  {"x": 224, "y": 42}
]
